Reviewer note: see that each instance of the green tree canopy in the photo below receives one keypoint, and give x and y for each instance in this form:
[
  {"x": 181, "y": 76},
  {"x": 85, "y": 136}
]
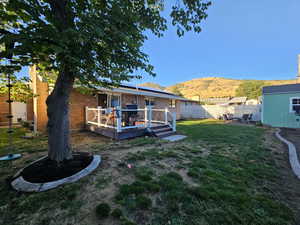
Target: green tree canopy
[
  {"x": 250, "y": 89},
  {"x": 93, "y": 42},
  {"x": 20, "y": 90}
]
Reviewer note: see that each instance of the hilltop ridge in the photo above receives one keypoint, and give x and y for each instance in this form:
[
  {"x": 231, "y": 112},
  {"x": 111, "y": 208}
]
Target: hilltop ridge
[{"x": 210, "y": 87}]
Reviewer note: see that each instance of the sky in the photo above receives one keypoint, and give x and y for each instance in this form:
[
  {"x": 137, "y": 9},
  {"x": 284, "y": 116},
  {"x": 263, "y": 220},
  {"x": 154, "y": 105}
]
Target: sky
[
  {"x": 258, "y": 39},
  {"x": 241, "y": 39}
]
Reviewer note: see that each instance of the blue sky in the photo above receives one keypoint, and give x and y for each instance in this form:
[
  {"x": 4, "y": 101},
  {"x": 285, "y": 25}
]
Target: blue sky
[{"x": 241, "y": 39}]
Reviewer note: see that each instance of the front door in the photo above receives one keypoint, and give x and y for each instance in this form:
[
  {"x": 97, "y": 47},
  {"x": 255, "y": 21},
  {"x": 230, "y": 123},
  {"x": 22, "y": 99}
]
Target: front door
[{"x": 102, "y": 100}]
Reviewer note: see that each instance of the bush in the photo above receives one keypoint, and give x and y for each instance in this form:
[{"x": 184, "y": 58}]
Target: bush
[
  {"x": 117, "y": 213},
  {"x": 103, "y": 210},
  {"x": 128, "y": 222},
  {"x": 143, "y": 202},
  {"x": 144, "y": 174}
]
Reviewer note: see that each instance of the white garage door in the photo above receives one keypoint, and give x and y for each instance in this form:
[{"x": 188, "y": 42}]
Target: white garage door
[{"x": 19, "y": 111}]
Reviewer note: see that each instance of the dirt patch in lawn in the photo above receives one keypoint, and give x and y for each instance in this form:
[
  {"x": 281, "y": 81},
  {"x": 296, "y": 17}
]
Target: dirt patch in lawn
[{"x": 289, "y": 187}]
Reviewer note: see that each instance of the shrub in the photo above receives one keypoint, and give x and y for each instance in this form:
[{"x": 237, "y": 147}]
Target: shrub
[
  {"x": 128, "y": 222},
  {"x": 144, "y": 174},
  {"x": 117, "y": 213},
  {"x": 103, "y": 210},
  {"x": 143, "y": 202}
]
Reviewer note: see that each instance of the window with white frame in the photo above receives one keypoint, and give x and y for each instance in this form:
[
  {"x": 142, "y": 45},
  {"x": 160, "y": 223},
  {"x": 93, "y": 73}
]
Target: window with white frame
[
  {"x": 114, "y": 100},
  {"x": 172, "y": 103},
  {"x": 294, "y": 104},
  {"x": 149, "y": 101}
]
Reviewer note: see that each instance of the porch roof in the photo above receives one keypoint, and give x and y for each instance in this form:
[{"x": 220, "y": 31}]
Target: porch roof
[{"x": 127, "y": 89}]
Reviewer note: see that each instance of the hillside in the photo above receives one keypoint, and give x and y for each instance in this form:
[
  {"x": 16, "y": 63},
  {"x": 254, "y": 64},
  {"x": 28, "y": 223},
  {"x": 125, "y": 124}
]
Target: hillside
[
  {"x": 210, "y": 87},
  {"x": 152, "y": 85}
]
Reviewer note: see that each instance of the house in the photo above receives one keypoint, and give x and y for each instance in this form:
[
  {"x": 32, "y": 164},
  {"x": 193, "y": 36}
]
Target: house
[
  {"x": 237, "y": 101},
  {"x": 281, "y": 106},
  {"x": 215, "y": 101},
  {"x": 120, "y": 112},
  {"x": 20, "y": 111},
  {"x": 253, "y": 102}
]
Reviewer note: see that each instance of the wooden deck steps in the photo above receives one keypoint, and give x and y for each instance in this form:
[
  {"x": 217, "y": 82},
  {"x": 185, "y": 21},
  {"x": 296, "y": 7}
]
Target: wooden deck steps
[{"x": 162, "y": 131}]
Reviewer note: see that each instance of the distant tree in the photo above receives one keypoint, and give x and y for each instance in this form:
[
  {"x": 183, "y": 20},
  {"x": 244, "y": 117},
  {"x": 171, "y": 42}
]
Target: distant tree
[
  {"x": 94, "y": 42},
  {"x": 250, "y": 89},
  {"x": 20, "y": 90}
]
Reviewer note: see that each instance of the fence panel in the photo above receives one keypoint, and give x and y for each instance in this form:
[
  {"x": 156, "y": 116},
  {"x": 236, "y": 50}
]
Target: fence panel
[{"x": 215, "y": 111}]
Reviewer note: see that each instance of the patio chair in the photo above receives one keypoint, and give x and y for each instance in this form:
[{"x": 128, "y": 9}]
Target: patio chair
[
  {"x": 226, "y": 117},
  {"x": 247, "y": 118},
  {"x": 109, "y": 117}
]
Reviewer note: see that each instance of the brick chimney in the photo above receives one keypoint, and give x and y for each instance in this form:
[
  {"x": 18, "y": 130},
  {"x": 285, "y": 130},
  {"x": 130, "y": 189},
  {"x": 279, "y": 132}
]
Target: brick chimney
[{"x": 41, "y": 91}]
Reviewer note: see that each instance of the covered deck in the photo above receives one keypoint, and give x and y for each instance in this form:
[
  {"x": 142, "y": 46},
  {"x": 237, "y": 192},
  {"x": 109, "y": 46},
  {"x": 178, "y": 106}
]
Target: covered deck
[{"x": 118, "y": 123}]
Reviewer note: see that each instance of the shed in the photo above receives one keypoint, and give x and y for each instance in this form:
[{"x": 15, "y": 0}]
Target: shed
[{"x": 281, "y": 106}]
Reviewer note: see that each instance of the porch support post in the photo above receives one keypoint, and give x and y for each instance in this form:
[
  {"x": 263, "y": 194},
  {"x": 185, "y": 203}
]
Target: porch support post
[
  {"x": 166, "y": 115},
  {"x": 174, "y": 121},
  {"x": 119, "y": 119},
  {"x": 150, "y": 116},
  {"x": 86, "y": 114},
  {"x": 146, "y": 116},
  {"x": 98, "y": 116}
]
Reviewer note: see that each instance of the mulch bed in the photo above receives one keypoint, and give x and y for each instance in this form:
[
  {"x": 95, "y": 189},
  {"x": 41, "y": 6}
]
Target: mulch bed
[{"x": 47, "y": 170}]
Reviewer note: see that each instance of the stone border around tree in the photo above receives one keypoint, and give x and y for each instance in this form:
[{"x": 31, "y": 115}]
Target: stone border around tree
[
  {"x": 20, "y": 184},
  {"x": 293, "y": 158}
]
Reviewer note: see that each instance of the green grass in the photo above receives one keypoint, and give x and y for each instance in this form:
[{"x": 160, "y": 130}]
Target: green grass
[
  {"x": 221, "y": 174},
  {"x": 19, "y": 144},
  {"x": 229, "y": 184},
  {"x": 216, "y": 132}
]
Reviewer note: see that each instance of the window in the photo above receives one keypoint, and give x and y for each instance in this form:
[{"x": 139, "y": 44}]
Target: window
[
  {"x": 295, "y": 104},
  {"x": 149, "y": 101},
  {"x": 172, "y": 103},
  {"x": 114, "y": 100}
]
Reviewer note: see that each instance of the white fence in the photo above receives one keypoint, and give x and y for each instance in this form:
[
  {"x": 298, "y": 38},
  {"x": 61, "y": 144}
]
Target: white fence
[{"x": 215, "y": 111}]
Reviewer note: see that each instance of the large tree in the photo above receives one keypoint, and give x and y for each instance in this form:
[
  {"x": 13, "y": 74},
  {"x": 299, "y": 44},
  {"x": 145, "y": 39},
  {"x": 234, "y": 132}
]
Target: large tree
[
  {"x": 94, "y": 42},
  {"x": 251, "y": 89}
]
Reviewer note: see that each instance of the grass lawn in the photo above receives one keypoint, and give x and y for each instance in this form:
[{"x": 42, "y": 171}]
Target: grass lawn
[{"x": 220, "y": 174}]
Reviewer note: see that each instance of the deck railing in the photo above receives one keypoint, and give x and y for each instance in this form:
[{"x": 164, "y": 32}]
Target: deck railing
[{"x": 121, "y": 119}]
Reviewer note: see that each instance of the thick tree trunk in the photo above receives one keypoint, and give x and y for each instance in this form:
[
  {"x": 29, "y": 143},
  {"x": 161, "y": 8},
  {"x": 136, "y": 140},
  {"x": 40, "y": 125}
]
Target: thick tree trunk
[{"x": 58, "y": 118}]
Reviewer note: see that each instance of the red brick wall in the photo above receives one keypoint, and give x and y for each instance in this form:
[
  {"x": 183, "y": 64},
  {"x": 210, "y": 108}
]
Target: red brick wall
[
  {"x": 42, "y": 118},
  {"x": 78, "y": 102},
  {"x": 29, "y": 108},
  {"x": 3, "y": 110}
]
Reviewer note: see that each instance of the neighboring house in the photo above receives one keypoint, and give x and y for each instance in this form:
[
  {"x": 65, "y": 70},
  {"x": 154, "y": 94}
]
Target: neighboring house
[
  {"x": 214, "y": 101},
  {"x": 252, "y": 102},
  {"x": 20, "y": 111},
  {"x": 281, "y": 106},
  {"x": 237, "y": 101},
  {"x": 121, "y": 112}
]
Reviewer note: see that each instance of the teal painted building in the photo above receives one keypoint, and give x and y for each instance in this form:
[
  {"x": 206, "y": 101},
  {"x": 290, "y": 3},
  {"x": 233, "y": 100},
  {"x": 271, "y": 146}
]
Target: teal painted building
[{"x": 281, "y": 106}]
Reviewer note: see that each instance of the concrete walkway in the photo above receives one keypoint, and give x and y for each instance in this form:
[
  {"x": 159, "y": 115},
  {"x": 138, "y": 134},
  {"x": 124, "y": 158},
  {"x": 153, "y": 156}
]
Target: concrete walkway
[
  {"x": 173, "y": 138},
  {"x": 292, "y": 154}
]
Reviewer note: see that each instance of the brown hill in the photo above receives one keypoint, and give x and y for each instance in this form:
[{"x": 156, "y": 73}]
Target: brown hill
[
  {"x": 210, "y": 87},
  {"x": 152, "y": 85}
]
